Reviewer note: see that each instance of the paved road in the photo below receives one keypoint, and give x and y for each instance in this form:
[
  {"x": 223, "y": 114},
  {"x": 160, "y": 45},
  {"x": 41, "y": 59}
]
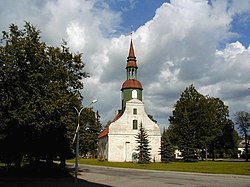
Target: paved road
[{"x": 119, "y": 177}]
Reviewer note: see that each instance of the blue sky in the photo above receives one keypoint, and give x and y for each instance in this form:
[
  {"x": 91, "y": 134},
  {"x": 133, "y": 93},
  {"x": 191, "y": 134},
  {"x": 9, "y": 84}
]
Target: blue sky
[
  {"x": 134, "y": 12},
  {"x": 177, "y": 43},
  {"x": 241, "y": 25}
]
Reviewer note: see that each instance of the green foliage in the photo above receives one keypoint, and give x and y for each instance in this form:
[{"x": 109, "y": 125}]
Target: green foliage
[
  {"x": 219, "y": 131},
  {"x": 186, "y": 123},
  {"x": 38, "y": 90},
  {"x": 167, "y": 152},
  {"x": 242, "y": 120},
  {"x": 200, "y": 122},
  {"x": 226, "y": 143},
  {"x": 142, "y": 148},
  {"x": 90, "y": 128}
]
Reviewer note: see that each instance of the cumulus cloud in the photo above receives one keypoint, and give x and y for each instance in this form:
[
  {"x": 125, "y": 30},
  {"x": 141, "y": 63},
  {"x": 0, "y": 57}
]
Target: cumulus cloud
[
  {"x": 182, "y": 48},
  {"x": 185, "y": 43}
]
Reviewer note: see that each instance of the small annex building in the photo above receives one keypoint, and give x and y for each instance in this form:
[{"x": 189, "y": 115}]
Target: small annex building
[{"x": 117, "y": 142}]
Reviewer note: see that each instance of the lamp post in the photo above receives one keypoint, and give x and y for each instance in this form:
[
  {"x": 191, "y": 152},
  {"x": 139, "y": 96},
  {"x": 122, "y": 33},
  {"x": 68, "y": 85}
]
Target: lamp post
[{"x": 76, "y": 136}]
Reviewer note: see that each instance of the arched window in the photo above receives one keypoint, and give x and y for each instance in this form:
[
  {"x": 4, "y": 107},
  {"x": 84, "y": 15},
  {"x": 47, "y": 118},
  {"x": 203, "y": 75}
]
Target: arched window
[
  {"x": 135, "y": 126},
  {"x": 134, "y": 94}
]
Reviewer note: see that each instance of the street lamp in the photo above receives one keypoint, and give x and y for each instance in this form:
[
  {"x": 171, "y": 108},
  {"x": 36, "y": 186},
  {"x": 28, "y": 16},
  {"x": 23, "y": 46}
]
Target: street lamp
[{"x": 76, "y": 136}]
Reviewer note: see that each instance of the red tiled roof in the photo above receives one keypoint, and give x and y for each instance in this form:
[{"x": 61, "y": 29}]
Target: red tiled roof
[
  {"x": 106, "y": 130},
  {"x": 132, "y": 84}
]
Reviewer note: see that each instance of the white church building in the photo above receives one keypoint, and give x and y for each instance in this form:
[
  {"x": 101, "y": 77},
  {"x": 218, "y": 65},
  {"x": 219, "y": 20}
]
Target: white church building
[{"x": 117, "y": 143}]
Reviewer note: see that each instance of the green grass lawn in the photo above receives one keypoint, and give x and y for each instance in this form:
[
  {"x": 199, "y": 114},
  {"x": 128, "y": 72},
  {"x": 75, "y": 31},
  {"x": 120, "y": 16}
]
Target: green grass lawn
[{"x": 238, "y": 168}]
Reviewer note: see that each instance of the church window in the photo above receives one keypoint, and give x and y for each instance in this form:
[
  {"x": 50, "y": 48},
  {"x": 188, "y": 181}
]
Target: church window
[
  {"x": 134, "y": 94},
  {"x": 135, "y": 111},
  {"x": 135, "y": 124}
]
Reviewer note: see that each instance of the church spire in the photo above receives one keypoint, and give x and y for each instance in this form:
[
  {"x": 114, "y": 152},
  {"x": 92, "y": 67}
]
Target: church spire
[
  {"x": 131, "y": 88},
  {"x": 131, "y": 49},
  {"x": 131, "y": 59}
]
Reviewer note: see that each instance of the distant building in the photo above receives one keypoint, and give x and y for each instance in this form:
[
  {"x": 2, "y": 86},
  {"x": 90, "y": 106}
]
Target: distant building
[
  {"x": 177, "y": 154},
  {"x": 117, "y": 142},
  {"x": 241, "y": 148}
]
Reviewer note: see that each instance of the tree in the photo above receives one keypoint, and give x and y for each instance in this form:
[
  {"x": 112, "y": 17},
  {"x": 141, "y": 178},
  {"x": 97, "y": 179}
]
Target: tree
[
  {"x": 242, "y": 119},
  {"x": 199, "y": 123},
  {"x": 167, "y": 152},
  {"x": 38, "y": 90},
  {"x": 226, "y": 143},
  {"x": 215, "y": 124},
  {"x": 142, "y": 148},
  {"x": 186, "y": 122},
  {"x": 89, "y": 131}
]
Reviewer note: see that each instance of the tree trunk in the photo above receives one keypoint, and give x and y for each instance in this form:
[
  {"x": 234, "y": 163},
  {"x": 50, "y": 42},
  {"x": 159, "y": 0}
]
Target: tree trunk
[
  {"x": 246, "y": 148},
  {"x": 202, "y": 154},
  {"x": 206, "y": 152}
]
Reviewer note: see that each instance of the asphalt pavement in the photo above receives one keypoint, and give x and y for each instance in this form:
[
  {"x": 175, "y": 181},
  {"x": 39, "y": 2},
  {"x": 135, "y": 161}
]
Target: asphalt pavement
[
  {"x": 98, "y": 176},
  {"x": 120, "y": 177}
]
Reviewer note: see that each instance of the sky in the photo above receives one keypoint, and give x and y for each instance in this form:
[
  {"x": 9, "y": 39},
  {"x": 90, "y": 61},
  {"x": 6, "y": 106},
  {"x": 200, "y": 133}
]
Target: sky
[{"x": 177, "y": 43}]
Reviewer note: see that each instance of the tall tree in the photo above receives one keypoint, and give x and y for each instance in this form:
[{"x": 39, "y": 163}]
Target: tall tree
[
  {"x": 89, "y": 131},
  {"x": 167, "y": 153},
  {"x": 143, "y": 148},
  {"x": 242, "y": 119},
  {"x": 226, "y": 143},
  {"x": 215, "y": 122},
  {"x": 38, "y": 90},
  {"x": 186, "y": 123},
  {"x": 199, "y": 122}
]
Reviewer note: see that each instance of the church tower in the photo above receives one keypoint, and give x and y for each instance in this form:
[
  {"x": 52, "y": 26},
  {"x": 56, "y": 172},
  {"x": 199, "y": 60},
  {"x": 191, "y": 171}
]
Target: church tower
[
  {"x": 117, "y": 142},
  {"x": 131, "y": 88}
]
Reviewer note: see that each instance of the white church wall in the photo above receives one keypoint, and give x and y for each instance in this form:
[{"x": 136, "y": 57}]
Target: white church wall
[
  {"x": 155, "y": 152},
  {"x": 122, "y": 141}
]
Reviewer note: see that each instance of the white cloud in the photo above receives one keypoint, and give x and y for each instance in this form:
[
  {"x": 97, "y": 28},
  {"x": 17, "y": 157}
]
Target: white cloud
[
  {"x": 76, "y": 36},
  {"x": 239, "y": 6},
  {"x": 180, "y": 46}
]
